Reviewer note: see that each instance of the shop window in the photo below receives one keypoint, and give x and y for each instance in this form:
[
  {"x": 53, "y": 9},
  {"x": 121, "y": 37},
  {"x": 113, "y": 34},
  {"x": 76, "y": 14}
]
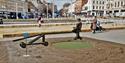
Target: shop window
[
  {"x": 122, "y": 10},
  {"x": 115, "y": 4}
]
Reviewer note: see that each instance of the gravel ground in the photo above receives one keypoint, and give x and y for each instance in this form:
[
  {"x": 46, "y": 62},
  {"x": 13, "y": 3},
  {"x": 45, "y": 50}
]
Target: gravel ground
[
  {"x": 3, "y": 53},
  {"x": 100, "y": 52}
]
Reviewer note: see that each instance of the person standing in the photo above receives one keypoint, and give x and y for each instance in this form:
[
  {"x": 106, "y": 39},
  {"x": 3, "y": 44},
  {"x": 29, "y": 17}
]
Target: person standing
[
  {"x": 94, "y": 22},
  {"x": 78, "y": 29},
  {"x": 40, "y": 20}
]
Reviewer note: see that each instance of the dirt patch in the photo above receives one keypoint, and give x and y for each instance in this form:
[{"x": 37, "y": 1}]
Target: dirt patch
[
  {"x": 3, "y": 53},
  {"x": 100, "y": 52}
]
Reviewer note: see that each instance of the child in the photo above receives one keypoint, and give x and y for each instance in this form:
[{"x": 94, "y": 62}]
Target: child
[{"x": 40, "y": 20}]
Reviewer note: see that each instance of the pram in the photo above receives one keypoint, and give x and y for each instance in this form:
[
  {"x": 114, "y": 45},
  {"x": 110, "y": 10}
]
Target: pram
[{"x": 98, "y": 28}]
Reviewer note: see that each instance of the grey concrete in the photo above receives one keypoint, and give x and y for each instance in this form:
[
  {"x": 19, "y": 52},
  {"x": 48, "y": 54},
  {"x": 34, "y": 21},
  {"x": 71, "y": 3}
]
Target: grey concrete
[{"x": 117, "y": 36}]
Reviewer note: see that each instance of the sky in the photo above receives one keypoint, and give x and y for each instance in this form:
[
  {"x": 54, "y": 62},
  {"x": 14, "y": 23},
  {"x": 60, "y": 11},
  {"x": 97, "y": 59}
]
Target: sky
[{"x": 60, "y": 3}]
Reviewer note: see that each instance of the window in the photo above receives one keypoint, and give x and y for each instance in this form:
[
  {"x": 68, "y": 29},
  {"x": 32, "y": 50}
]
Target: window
[
  {"x": 99, "y": 7},
  {"x": 103, "y": 7},
  {"x": 110, "y": 11},
  {"x": 121, "y": 3},
  {"x": 122, "y": 10},
  {"x": 103, "y": 2},
  {"x": 93, "y": 2},
  {"x": 86, "y": 8},
  {"x": 115, "y": 4},
  {"x": 93, "y": 7},
  {"x": 118, "y": 4},
  {"x": 96, "y": 7},
  {"x": 97, "y": 2},
  {"x": 116, "y": 11}
]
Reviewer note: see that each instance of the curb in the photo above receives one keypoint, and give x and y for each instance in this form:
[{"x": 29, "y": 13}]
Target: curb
[
  {"x": 35, "y": 25},
  {"x": 54, "y": 32}
]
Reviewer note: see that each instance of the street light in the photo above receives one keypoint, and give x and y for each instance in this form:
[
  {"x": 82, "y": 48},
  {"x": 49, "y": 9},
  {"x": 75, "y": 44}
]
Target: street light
[
  {"x": 46, "y": 10},
  {"x": 53, "y": 7},
  {"x": 71, "y": 7},
  {"x": 24, "y": 10},
  {"x": 46, "y": 4},
  {"x": 16, "y": 10}
]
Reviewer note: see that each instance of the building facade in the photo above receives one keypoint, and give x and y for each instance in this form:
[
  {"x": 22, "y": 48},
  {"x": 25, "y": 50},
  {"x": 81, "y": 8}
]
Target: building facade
[
  {"x": 110, "y": 8},
  {"x": 115, "y": 8},
  {"x": 25, "y": 8},
  {"x": 13, "y": 8}
]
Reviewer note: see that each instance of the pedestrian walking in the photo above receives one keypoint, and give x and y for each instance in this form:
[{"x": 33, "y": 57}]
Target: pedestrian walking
[
  {"x": 40, "y": 21},
  {"x": 77, "y": 30},
  {"x": 94, "y": 24}
]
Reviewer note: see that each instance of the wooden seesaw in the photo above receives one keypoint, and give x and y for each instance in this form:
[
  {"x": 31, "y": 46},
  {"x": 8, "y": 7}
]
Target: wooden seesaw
[{"x": 26, "y": 36}]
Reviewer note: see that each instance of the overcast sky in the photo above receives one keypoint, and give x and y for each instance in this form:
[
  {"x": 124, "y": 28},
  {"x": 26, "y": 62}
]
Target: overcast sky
[{"x": 60, "y": 3}]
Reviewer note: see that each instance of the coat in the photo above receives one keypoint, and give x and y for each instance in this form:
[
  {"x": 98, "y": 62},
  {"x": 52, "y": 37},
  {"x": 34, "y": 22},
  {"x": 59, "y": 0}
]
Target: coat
[
  {"x": 40, "y": 20},
  {"x": 94, "y": 24},
  {"x": 79, "y": 26}
]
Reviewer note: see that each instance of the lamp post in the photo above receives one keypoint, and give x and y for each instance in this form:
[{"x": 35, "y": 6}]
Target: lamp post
[
  {"x": 24, "y": 10},
  {"x": 46, "y": 4},
  {"x": 47, "y": 10},
  {"x": 53, "y": 1},
  {"x": 71, "y": 8},
  {"x": 16, "y": 10}
]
